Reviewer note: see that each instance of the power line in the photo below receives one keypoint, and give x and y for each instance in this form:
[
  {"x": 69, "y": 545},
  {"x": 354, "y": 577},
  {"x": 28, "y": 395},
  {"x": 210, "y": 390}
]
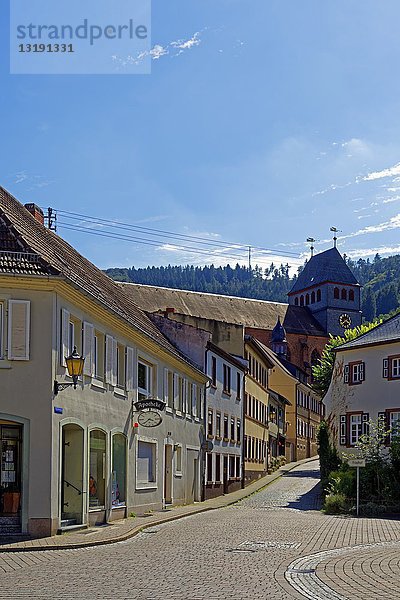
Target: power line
[{"x": 163, "y": 233}]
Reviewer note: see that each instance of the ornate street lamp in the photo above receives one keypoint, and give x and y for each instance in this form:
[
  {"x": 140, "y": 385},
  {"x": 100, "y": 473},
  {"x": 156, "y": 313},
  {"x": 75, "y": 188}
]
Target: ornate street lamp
[{"x": 75, "y": 369}]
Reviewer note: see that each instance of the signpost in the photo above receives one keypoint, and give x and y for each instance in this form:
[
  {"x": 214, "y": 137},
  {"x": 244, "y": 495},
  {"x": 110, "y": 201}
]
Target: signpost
[{"x": 357, "y": 463}]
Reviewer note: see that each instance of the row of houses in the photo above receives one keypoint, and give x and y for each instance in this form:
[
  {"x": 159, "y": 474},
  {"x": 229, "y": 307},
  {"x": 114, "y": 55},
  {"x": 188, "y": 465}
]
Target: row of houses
[{"x": 81, "y": 451}]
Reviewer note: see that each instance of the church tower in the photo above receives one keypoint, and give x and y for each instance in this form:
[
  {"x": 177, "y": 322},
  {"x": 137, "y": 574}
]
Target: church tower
[
  {"x": 279, "y": 343},
  {"x": 329, "y": 290}
]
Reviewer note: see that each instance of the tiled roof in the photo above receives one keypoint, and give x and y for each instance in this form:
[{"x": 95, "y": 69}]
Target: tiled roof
[
  {"x": 389, "y": 331},
  {"x": 46, "y": 253},
  {"x": 258, "y": 314},
  {"x": 322, "y": 267}
]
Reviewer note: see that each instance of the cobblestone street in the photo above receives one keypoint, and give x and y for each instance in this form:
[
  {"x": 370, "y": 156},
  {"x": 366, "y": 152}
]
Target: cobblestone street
[{"x": 274, "y": 544}]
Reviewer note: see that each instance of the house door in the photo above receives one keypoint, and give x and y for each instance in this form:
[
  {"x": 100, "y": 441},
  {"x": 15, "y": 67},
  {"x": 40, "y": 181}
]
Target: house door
[
  {"x": 11, "y": 477},
  {"x": 72, "y": 475},
  {"x": 226, "y": 474},
  {"x": 192, "y": 476},
  {"x": 167, "y": 474}
]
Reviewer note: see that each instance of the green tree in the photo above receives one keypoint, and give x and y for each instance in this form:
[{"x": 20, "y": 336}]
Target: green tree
[
  {"x": 328, "y": 457},
  {"x": 322, "y": 372},
  {"x": 369, "y": 304}
]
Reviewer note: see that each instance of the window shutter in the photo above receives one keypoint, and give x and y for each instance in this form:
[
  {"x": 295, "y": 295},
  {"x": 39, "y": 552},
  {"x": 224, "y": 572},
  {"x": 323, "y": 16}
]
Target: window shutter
[
  {"x": 114, "y": 362},
  {"x": 64, "y": 346},
  {"x": 346, "y": 374},
  {"x": 385, "y": 368},
  {"x": 88, "y": 348},
  {"x": 130, "y": 361},
  {"x": 365, "y": 423},
  {"x": 18, "y": 329},
  {"x": 109, "y": 359},
  {"x": 200, "y": 391},
  {"x": 383, "y": 417},
  {"x": 166, "y": 386},
  {"x": 362, "y": 371},
  {"x": 194, "y": 400},
  {"x": 343, "y": 430},
  {"x": 186, "y": 407},
  {"x": 176, "y": 391}
]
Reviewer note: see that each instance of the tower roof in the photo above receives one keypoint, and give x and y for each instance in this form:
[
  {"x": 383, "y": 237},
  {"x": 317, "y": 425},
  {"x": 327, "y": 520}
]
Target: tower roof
[
  {"x": 278, "y": 334},
  {"x": 323, "y": 267}
]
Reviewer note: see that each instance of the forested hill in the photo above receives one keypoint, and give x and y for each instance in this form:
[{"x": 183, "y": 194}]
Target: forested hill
[{"x": 380, "y": 278}]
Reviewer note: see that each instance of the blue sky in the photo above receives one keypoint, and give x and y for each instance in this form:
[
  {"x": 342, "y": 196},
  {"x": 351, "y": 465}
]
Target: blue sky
[{"x": 277, "y": 120}]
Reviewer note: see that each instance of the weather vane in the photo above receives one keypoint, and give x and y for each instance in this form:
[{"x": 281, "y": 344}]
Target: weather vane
[
  {"x": 312, "y": 247},
  {"x": 335, "y": 231}
]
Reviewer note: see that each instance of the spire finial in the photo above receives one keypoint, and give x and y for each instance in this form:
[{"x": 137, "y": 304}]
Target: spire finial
[
  {"x": 312, "y": 247},
  {"x": 335, "y": 231}
]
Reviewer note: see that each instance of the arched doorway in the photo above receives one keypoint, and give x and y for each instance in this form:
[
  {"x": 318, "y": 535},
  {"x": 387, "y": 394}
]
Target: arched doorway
[{"x": 72, "y": 455}]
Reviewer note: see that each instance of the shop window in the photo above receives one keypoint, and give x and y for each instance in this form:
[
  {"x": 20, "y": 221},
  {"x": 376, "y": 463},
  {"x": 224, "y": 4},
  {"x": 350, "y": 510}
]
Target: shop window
[
  {"x": 1, "y": 330},
  {"x": 209, "y": 461},
  {"x": 97, "y": 469},
  {"x": 118, "y": 481},
  {"x": 145, "y": 374},
  {"x": 218, "y": 468},
  {"x": 146, "y": 462},
  {"x": 231, "y": 467}
]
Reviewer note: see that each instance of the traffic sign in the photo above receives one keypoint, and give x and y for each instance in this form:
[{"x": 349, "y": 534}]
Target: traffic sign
[{"x": 357, "y": 462}]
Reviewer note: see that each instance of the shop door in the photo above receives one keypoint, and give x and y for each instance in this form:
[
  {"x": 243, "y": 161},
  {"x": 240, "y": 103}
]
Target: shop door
[
  {"x": 11, "y": 476},
  {"x": 226, "y": 475},
  {"x": 72, "y": 476},
  {"x": 167, "y": 474}
]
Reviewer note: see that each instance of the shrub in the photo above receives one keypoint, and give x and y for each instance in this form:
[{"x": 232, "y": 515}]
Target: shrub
[
  {"x": 343, "y": 482},
  {"x": 335, "y": 504},
  {"x": 328, "y": 457}
]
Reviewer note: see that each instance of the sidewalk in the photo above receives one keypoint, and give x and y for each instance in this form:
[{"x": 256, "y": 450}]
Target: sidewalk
[{"x": 124, "y": 529}]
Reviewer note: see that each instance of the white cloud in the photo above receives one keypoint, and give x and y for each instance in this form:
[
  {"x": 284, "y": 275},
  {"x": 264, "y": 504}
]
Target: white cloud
[
  {"x": 392, "y": 199},
  {"x": 390, "y": 172}
]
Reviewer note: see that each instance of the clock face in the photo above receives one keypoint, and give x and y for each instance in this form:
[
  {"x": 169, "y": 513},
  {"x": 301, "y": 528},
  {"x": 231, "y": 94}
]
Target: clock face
[
  {"x": 345, "y": 321},
  {"x": 149, "y": 418}
]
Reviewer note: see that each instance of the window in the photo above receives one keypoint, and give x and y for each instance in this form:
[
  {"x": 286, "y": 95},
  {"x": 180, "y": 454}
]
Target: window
[
  {"x": 238, "y": 386},
  {"x": 121, "y": 366},
  {"x": 301, "y": 300},
  {"x": 214, "y": 371},
  {"x": 226, "y": 427},
  {"x": 169, "y": 388},
  {"x": 355, "y": 428},
  {"x": 344, "y": 294},
  {"x": 318, "y": 295},
  {"x": 71, "y": 337},
  {"x": 178, "y": 459},
  {"x": 391, "y": 367},
  {"x": 118, "y": 481},
  {"x": 296, "y": 301},
  {"x": 227, "y": 379},
  {"x": 97, "y": 469},
  {"x": 210, "y": 422},
  {"x": 218, "y": 425},
  {"x": 336, "y": 293},
  {"x": 144, "y": 380},
  {"x": 351, "y": 295},
  {"x": 238, "y": 467},
  {"x": 146, "y": 462},
  {"x": 312, "y": 297},
  {"x": 394, "y": 423},
  {"x": 209, "y": 461},
  {"x": 354, "y": 373},
  {"x": 307, "y": 299},
  {"x": 232, "y": 429},
  {"x": 217, "y": 468},
  {"x": 231, "y": 467},
  {"x": 98, "y": 355},
  {"x": 238, "y": 431}
]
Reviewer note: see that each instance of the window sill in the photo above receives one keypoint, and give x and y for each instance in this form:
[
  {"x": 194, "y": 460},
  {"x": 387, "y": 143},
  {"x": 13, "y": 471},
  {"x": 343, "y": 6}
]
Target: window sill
[
  {"x": 178, "y": 474},
  {"x": 148, "y": 486},
  {"x": 120, "y": 393},
  {"x": 97, "y": 383},
  {"x": 115, "y": 506},
  {"x": 210, "y": 437},
  {"x": 169, "y": 410},
  {"x": 226, "y": 393},
  {"x": 179, "y": 414},
  {"x": 97, "y": 509}
]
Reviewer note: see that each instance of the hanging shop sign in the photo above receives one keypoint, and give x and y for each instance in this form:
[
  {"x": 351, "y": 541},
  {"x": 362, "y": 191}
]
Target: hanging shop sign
[{"x": 150, "y": 403}]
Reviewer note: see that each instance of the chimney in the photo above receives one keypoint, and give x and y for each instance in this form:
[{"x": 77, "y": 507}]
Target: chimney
[
  {"x": 169, "y": 311},
  {"x": 36, "y": 212}
]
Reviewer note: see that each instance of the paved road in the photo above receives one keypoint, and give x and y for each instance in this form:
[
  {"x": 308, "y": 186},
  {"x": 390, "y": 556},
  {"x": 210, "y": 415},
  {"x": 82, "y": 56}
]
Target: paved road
[{"x": 246, "y": 551}]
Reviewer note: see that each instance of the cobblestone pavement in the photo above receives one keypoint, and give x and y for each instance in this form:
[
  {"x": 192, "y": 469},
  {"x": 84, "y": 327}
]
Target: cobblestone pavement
[{"x": 274, "y": 544}]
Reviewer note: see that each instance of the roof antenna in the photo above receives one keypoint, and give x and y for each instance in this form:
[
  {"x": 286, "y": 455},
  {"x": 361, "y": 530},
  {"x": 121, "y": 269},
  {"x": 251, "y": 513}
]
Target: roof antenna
[
  {"x": 51, "y": 219},
  {"x": 312, "y": 247},
  {"x": 335, "y": 231}
]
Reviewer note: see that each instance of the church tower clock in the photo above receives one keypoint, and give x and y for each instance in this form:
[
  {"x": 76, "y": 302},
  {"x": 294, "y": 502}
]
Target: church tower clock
[{"x": 328, "y": 288}]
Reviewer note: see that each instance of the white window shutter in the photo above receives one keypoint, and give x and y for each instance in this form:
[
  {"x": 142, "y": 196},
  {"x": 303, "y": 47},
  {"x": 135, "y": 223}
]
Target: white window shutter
[
  {"x": 362, "y": 371},
  {"x": 166, "y": 386},
  {"x": 64, "y": 345},
  {"x": 346, "y": 374},
  {"x": 109, "y": 358},
  {"x": 200, "y": 391},
  {"x": 194, "y": 400},
  {"x": 88, "y": 348},
  {"x": 130, "y": 357},
  {"x": 176, "y": 391},
  {"x": 18, "y": 329},
  {"x": 186, "y": 407},
  {"x": 114, "y": 362}
]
